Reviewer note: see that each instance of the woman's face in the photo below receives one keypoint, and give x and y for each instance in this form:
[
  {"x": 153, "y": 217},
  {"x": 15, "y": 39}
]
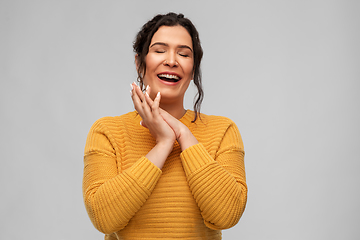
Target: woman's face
[{"x": 169, "y": 63}]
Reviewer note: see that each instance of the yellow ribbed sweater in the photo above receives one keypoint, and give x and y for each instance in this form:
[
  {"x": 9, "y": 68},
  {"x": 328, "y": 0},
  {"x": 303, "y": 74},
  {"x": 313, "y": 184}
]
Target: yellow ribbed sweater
[{"x": 197, "y": 193}]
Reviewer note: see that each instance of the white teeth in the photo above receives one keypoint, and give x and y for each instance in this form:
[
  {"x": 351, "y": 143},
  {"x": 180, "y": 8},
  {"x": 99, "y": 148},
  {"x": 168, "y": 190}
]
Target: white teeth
[{"x": 169, "y": 76}]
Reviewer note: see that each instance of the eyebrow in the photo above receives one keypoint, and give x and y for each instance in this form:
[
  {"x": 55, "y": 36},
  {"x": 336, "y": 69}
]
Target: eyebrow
[{"x": 167, "y": 45}]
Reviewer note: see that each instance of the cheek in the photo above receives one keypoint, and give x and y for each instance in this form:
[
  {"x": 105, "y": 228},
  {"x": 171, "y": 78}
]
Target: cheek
[
  {"x": 148, "y": 62},
  {"x": 152, "y": 62},
  {"x": 189, "y": 68}
]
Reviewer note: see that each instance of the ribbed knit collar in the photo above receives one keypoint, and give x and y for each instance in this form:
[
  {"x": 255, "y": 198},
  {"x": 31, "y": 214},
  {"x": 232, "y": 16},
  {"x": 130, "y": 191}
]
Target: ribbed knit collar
[{"x": 186, "y": 119}]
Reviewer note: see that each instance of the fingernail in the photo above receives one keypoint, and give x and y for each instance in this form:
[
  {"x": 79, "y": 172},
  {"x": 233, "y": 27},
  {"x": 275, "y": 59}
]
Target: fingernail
[
  {"x": 147, "y": 87},
  {"x": 131, "y": 93},
  {"x": 141, "y": 122},
  {"x": 147, "y": 94},
  {"x": 158, "y": 94},
  {"x": 131, "y": 86}
]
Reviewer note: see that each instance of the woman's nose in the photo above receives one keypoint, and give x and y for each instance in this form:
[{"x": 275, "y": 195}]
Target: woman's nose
[{"x": 171, "y": 61}]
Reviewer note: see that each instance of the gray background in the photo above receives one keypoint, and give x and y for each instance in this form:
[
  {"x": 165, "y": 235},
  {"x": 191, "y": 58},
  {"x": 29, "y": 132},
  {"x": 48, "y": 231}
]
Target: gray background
[{"x": 287, "y": 72}]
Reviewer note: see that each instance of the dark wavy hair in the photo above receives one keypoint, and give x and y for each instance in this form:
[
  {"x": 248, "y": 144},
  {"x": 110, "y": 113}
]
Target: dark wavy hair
[{"x": 143, "y": 40}]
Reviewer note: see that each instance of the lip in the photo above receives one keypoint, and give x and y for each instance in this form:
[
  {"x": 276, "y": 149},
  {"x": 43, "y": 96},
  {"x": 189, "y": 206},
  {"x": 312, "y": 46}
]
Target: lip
[{"x": 169, "y": 73}]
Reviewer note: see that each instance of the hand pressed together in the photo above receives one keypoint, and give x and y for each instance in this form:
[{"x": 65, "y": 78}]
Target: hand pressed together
[
  {"x": 163, "y": 126},
  {"x": 150, "y": 113}
]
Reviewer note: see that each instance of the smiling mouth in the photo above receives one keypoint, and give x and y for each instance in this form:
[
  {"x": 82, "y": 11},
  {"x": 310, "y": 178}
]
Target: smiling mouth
[{"x": 169, "y": 77}]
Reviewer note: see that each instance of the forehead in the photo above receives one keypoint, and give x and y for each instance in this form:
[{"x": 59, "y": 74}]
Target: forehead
[{"x": 173, "y": 36}]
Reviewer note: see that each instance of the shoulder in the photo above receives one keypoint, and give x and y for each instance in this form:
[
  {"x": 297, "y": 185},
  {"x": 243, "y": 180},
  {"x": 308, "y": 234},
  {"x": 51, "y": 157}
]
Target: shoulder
[
  {"x": 213, "y": 124},
  {"x": 115, "y": 121},
  {"x": 213, "y": 120},
  {"x": 106, "y": 132},
  {"x": 212, "y": 128}
]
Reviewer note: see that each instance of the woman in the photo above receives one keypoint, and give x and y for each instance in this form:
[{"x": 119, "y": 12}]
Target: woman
[{"x": 163, "y": 171}]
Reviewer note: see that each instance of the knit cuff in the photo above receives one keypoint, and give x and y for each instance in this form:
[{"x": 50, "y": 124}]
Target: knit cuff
[
  {"x": 146, "y": 172},
  {"x": 194, "y": 158}
]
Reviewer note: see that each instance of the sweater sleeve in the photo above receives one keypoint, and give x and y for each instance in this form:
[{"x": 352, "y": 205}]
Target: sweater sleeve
[
  {"x": 111, "y": 197},
  {"x": 218, "y": 185}
]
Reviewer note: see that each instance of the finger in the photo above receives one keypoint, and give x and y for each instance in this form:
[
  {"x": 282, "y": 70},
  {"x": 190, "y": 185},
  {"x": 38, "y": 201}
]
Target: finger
[
  {"x": 133, "y": 94},
  {"x": 139, "y": 97},
  {"x": 165, "y": 114},
  {"x": 156, "y": 103},
  {"x": 147, "y": 96},
  {"x": 138, "y": 91},
  {"x": 143, "y": 124},
  {"x": 144, "y": 104},
  {"x": 138, "y": 100},
  {"x": 170, "y": 120}
]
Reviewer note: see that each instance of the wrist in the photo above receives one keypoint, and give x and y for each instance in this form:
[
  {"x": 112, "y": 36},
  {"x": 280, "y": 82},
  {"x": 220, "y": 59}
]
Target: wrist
[
  {"x": 186, "y": 139},
  {"x": 159, "y": 153},
  {"x": 165, "y": 145}
]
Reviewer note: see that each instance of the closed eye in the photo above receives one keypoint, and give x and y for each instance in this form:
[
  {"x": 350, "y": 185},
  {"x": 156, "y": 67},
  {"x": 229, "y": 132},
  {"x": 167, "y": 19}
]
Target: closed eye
[{"x": 183, "y": 55}]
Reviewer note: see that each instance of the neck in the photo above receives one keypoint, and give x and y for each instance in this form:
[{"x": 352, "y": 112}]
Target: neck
[{"x": 174, "y": 109}]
